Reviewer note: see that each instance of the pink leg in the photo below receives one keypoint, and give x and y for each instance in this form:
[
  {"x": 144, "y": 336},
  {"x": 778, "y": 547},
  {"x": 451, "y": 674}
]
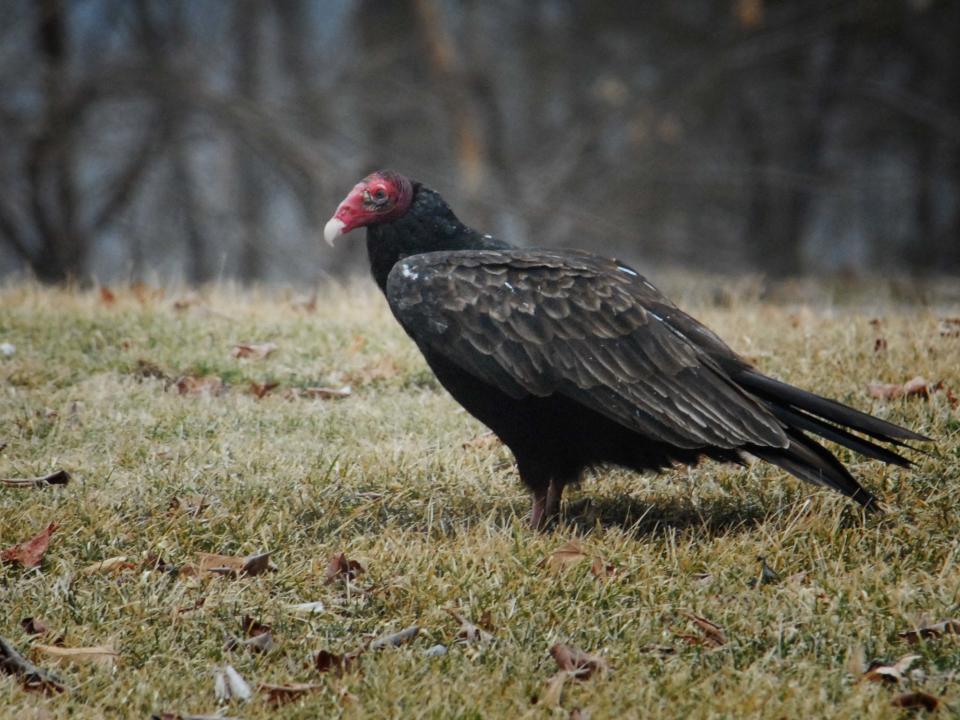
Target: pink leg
[{"x": 546, "y": 505}]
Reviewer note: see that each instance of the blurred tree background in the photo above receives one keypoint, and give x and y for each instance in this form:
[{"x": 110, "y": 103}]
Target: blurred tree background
[{"x": 203, "y": 140}]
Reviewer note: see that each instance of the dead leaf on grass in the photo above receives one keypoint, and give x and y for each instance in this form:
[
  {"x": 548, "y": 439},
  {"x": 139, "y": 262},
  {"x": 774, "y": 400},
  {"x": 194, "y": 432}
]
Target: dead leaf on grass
[
  {"x": 210, "y": 385},
  {"x": 107, "y": 296},
  {"x": 712, "y": 635},
  {"x": 228, "y": 565},
  {"x": 229, "y": 685},
  {"x": 278, "y": 695},
  {"x": 328, "y": 662},
  {"x": 889, "y": 673},
  {"x": 879, "y": 345},
  {"x": 110, "y": 565},
  {"x": 468, "y": 631},
  {"x": 915, "y": 387},
  {"x": 574, "y": 660},
  {"x": 260, "y": 390},
  {"x": 395, "y": 639},
  {"x": 320, "y": 393},
  {"x": 99, "y": 654},
  {"x": 32, "y": 678},
  {"x": 916, "y": 701},
  {"x": 307, "y": 608},
  {"x": 29, "y": 553},
  {"x": 944, "y": 627},
  {"x": 569, "y": 554},
  {"x": 189, "y": 504},
  {"x": 33, "y": 626},
  {"x": 950, "y": 327},
  {"x": 253, "y": 351},
  {"x": 147, "y": 369},
  {"x": 483, "y": 441},
  {"x": 341, "y": 568},
  {"x": 60, "y": 477},
  {"x": 601, "y": 569}
]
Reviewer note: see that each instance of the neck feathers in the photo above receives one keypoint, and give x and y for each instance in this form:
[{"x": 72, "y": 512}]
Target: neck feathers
[{"x": 429, "y": 225}]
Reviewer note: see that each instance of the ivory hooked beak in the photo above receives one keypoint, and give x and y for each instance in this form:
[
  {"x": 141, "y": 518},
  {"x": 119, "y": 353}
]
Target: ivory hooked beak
[{"x": 333, "y": 229}]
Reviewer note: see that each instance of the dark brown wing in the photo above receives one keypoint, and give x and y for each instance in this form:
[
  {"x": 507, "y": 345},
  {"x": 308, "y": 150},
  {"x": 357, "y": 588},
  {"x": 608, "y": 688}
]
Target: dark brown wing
[{"x": 544, "y": 322}]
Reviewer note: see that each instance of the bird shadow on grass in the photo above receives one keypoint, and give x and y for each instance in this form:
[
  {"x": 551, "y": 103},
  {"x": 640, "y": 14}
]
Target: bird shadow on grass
[{"x": 642, "y": 517}]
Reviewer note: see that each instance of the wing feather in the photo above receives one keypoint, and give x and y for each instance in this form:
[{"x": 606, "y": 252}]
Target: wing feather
[{"x": 544, "y": 322}]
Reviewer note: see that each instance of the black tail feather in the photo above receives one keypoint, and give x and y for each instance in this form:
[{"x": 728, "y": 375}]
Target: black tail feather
[
  {"x": 807, "y": 460},
  {"x": 781, "y": 393},
  {"x": 802, "y": 421}
]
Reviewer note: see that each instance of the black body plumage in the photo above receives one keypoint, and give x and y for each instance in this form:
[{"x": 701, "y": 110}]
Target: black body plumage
[{"x": 575, "y": 360}]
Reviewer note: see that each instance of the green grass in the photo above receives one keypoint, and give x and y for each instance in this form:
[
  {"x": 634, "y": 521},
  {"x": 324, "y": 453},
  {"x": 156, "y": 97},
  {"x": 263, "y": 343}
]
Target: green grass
[{"x": 384, "y": 476}]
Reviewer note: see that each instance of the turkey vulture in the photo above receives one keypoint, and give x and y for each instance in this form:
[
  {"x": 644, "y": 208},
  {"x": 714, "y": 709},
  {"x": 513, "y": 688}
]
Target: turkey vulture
[{"x": 574, "y": 360}]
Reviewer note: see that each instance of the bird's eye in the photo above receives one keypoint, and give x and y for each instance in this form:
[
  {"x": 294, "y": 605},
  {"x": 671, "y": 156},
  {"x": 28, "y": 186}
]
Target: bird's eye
[{"x": 379, "y": 194}]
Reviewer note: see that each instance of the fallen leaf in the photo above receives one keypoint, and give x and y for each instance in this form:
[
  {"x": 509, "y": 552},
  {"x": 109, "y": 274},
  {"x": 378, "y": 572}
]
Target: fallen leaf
[
  {"x": 228, "y": 565},
  {"x": 307, "y": 608},
  {"x": 915, "y": 387},
  {"x": 553, "y": 696},
  {"x": 944, "y": 627},
  {"x": 278, "y": 695},
  {"x": 395, "y": 639},
  {"x": 258, "y": 643},
  {"x": 483, "y": 441},
  {"x": 187, "y": 301},
  {"x": 916, "y": 701},
  {"x": 568, "y": 554},
  {"x": 228, "y": 685},
  {"x": 99, "y": 654},
  {"x": 107, "y": 296},
  {"x": 339, "y": 567},
  {"x": 889, "y": 673},
  {"x": 950, "y": 327},
  {"x": 189, "y": 504},
  {"x": 251, "y": 565},
  {"x": 207, "y": 385},
  {"x": 144, "y": 293},
  {"x": 147, "y": 369},
  {"x": 712, "y": 635},
  {"x": 29, "y": 553},
  {"x": 260, "y": 391},
  {"x": 31, "y": 677},
  {"x": 255, "y": 351},
  {"x": 879, "y": 345},
  {"x": 468, "y": 631},
  {"x": 580, "y": 664},
  {"x": 60, "y": 477},
  {"x": 33, "y": 626},
  {"x": 326, "y": 661},
  {"x": 601, "y": 569},
  {"x": 324, "y": 393},
  {"x": 110, "y": 565}
]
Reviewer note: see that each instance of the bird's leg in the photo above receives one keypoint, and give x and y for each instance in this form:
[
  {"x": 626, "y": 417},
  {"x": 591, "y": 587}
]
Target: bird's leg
[{"x": 546, "y": 504}]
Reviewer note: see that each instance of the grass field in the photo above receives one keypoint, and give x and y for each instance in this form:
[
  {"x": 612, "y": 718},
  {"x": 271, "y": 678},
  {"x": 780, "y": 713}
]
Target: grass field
[{"x": 398, "y": 478}]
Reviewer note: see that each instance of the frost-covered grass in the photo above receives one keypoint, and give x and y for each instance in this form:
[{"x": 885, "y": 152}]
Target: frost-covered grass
[{"x": 385, "y": 476}]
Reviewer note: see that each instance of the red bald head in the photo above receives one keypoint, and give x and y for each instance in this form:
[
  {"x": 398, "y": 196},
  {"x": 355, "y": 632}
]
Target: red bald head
[{"x": 380, "y": 197}]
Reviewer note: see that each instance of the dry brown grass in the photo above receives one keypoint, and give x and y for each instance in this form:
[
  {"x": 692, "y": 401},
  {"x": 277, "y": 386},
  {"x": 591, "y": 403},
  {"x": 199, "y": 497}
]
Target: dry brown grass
[{"x": 384, "y": 475}]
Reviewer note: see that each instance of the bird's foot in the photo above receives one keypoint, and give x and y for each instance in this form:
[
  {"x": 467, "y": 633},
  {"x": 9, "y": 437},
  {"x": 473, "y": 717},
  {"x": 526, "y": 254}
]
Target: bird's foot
[{"x": 546, "y": 505}]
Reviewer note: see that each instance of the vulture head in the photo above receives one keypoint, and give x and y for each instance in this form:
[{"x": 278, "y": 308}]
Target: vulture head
[{"x": 380, "y": 197}]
